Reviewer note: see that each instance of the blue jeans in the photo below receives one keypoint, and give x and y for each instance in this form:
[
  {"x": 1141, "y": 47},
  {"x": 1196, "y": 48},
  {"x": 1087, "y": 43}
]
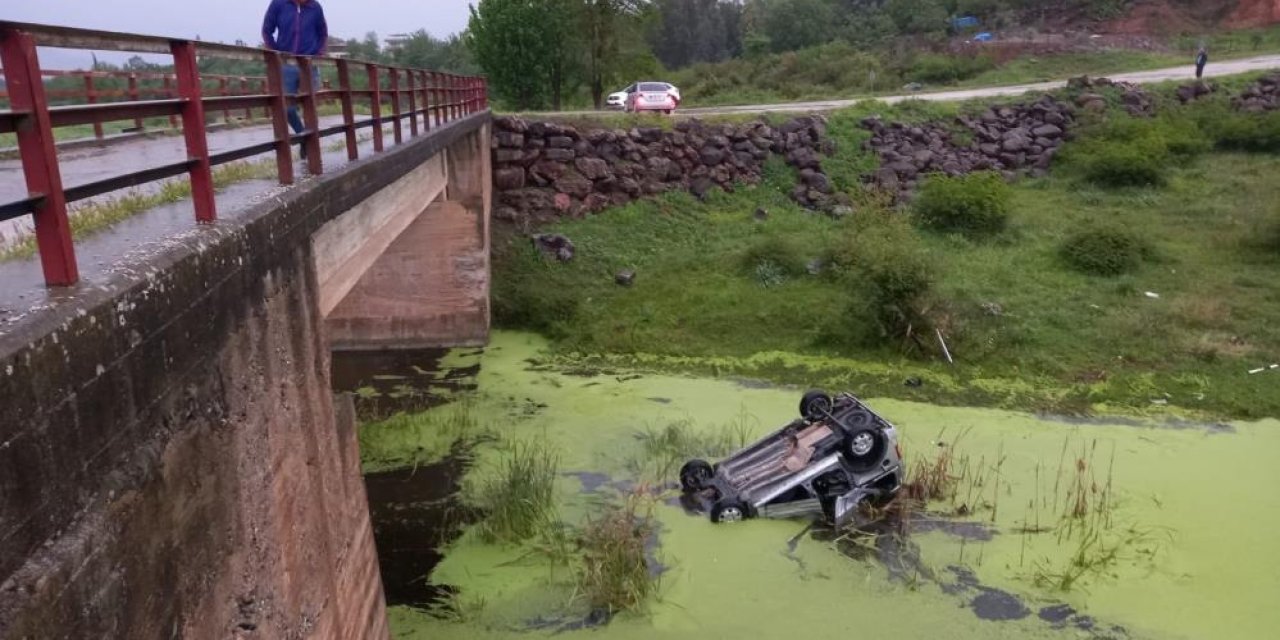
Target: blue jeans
[{"x": 292, "y": 83}]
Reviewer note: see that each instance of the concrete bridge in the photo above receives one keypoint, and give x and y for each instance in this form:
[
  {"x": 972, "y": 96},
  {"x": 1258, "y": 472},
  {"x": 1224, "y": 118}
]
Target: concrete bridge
[{"x": 172, "y": 460}]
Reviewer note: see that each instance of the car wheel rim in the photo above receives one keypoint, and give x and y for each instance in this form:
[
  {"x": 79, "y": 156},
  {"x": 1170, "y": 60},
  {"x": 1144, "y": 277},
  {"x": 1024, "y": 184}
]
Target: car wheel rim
[
  {"x": 862, "y": 444},
  {"x": 731, "y": 514}
]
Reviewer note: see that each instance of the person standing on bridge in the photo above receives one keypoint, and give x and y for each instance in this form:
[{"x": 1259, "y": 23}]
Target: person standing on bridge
[
  {"x": 297, "y": 27},
  {"x": 1202, "y": 59}
]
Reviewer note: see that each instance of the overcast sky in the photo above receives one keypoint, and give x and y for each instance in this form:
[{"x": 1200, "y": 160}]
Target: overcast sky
[{"x": 228, "y": 20}]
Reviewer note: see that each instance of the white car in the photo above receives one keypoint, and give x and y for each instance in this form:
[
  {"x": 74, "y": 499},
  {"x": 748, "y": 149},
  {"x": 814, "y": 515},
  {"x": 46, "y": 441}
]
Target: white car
[{"x": 618, "y": 100}]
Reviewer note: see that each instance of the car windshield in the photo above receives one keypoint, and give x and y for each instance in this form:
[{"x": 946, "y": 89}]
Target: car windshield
[{"x": 653, "y": 86}]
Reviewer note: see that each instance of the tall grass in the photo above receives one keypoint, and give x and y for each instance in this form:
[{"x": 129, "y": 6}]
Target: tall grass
[
  {"x": 664, "y": 450},
  {"x": 614, "y": 574},
  {"x": 517, "y": 498}
]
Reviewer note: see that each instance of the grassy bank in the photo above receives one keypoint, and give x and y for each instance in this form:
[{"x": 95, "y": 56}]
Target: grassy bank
[{"x": 1028, "y": 330}]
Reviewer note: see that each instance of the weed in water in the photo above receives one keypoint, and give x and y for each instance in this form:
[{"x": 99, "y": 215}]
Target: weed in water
[
  {"x": 457, "y": 607},
  {"x": 664, "y": 450},
  {"x": 615, "y": 575},
  {"x": 517, "y": 498}
]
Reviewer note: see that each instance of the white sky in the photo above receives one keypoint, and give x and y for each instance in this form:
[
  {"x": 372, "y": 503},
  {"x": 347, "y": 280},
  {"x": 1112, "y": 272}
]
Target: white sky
[{"x": 226, "y": 20}]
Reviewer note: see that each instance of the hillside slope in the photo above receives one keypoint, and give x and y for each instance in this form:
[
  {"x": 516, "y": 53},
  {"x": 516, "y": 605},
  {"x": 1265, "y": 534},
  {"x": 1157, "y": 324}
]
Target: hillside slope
[{"x": 1254, "y": 13}]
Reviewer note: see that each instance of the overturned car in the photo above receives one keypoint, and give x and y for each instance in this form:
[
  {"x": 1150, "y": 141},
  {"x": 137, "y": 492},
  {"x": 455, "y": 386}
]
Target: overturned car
[{"x": 837, "y": 456}]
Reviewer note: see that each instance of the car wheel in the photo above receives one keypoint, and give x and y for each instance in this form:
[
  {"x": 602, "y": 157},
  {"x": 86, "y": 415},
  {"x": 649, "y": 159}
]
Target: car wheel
[
  {"x": 864, "y": 448},
  {"x": 729, "y": 510},
  {"x": 694, "y": 475},
  {"x": 815, "y": 405}
]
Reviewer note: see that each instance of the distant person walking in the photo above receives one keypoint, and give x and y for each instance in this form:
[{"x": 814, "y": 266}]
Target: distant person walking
[
  {"x": 1202, "y": 59},
  {"x": 297, "y": 27}
]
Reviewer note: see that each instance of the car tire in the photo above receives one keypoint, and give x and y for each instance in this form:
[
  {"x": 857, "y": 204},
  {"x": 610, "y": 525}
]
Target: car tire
[
  {"x": 729, "y": 510},
  {"x": 815, "y": 405},
  {"x": 864, "y": 449},
  {"x": 694, "y": 475}
]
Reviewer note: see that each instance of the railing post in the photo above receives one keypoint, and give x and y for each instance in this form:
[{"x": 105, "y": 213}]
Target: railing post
[
  {"x": 91, "y": 96},
  {"x": 348, "y": 109},
  {"x": 310, "y": 119},
  {"x": 244, "y": 91},
  {"x": 133, "y": 96},
  {"x": 413, "y": 104},
  {"x": 193, "y": 129},
  {"x": 276, "y": 113},
  {"x": 222, "y": 91},
  {"x": 39, "y": 157},
  {"x": 170, "y": 95},
  {"x": 457, "y": 96},
  {"x": 264, "y": 87},
  {"x": 375, "y": 105},
  {"x": 437, "y": 88},
  {"x": 395, "y": 104},
  {"x": 426, "y": 97}
]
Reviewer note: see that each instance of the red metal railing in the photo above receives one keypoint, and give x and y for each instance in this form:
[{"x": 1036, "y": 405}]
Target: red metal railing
[
  {"x": 139, "y": 85},
  {"x": 427, "y": 99}
]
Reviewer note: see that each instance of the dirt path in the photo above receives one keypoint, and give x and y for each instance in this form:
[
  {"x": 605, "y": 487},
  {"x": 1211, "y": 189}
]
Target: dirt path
[{"x": 1186, "y": 72}]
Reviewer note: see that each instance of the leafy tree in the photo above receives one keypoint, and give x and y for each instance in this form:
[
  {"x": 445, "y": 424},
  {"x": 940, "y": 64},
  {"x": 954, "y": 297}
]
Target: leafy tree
[
  {"x": 605, "y": 26},
  {"x": 918, "y": 16},
  {"x": 686, "y": 32},
  {"x": 796, "y": 24},
  {"x": 522, "y": 47},
  {"x": 424, "y": 51}
]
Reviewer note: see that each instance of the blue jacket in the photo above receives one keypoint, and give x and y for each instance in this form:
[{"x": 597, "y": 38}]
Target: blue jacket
[{"x": 295, "y": 28}]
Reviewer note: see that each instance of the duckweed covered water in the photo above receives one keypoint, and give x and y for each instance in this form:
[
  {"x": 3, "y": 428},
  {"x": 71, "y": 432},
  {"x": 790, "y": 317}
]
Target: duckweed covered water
[{"x": 1175, "y": 538}]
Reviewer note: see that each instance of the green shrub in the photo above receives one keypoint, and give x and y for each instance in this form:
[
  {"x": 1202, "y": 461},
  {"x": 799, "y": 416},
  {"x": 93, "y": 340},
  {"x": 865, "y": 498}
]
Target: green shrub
[
  {"x": 1234, "y": 131},
  {"x": 945, "y": 69},
  {"x": 889, "y": 277},
  {"x": 975, "y": 205},
  {"x": 773, "y": 259},
  {"x": 1118, "y": 164},
  {"x": 1135, "y": 152},
  {"x": 1268, "y": 236},
  {"x": 1104, "y": 251}
]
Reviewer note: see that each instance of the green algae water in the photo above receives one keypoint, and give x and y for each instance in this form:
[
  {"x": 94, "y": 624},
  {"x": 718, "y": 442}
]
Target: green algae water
[{"x": 1052, "y": 528}]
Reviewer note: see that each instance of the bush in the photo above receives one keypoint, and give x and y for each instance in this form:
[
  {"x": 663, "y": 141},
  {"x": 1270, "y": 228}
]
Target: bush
[
  {"x": 890, "y": 276},
  {"x": 1268, "y": 236},
  {"x": 975, "y": 205},
  {"x": 1104, "y": 251},
  {"x": 1134, "y": 152},
  {"x": 1234, "y": 131},
  {"x": 945, "y": 69},
  {"x": 1119, "y": 164},
  {"x": 774, "y": 259}
]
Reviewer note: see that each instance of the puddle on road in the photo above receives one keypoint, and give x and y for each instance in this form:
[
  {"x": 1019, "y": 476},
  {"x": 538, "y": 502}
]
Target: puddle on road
[{"x": 1179, "y": 551}]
